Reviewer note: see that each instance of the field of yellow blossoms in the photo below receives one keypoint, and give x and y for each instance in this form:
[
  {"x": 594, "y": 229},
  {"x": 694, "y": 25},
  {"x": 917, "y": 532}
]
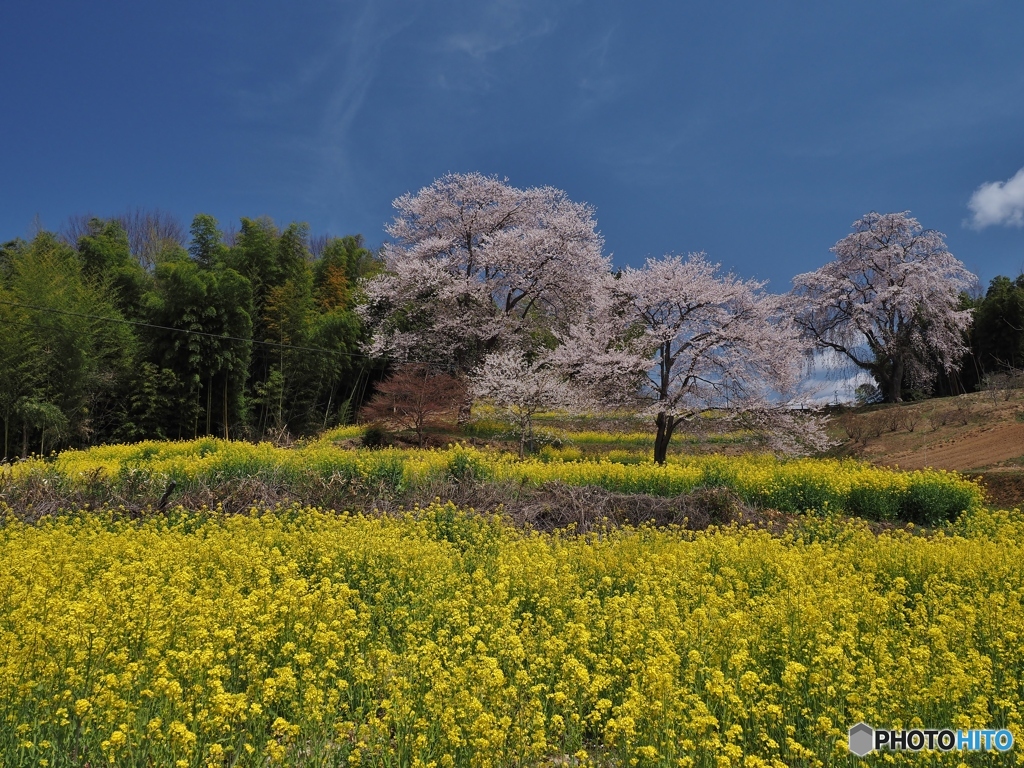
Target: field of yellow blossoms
[
  {"x": 793, "y": 485},
  {"x": 445, "y": 637},
  {"x": 448, "y": 638}
]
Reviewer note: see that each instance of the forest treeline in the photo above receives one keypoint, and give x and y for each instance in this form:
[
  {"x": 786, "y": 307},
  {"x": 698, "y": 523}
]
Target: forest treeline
[
  {"x": 133, "y": 327},
  {"x": 995, "y": 343},
  {"x": 130, "y": 328}
]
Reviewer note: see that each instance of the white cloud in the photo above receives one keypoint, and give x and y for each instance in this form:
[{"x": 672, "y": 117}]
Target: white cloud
[
  {"x": 481, "y": 43},
  {"x": 998, "y": 202},
  {"x": 827, "y": 391},
  {"x": 493, "y": 27},
  {"x": 831, "y": 378}
]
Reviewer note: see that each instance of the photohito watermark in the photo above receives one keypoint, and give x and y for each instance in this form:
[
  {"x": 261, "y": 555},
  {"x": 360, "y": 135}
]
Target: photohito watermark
[{"x": 863, "y": 740}]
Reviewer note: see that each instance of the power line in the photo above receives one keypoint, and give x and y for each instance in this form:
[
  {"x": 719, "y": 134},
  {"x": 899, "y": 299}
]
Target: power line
[{"x": 223, "y": 337}]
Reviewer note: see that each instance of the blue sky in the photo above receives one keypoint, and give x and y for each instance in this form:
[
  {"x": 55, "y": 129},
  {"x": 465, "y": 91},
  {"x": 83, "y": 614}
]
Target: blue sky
[{"x": 757, "y": 132}]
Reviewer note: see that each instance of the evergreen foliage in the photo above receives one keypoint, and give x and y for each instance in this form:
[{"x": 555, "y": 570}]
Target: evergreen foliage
[{"x": 101, "y": 341}]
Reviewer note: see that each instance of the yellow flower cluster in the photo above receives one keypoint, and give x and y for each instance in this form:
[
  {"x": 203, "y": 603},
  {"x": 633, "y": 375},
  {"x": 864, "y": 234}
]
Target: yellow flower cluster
[
  {"x": 445, "y": 638},
  {"x": 489, "y": 426},
  {"x": 793, "y": 485}
]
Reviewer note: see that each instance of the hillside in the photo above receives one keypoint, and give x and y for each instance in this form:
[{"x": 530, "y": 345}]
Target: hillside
[{"x": 980, "y": 434}]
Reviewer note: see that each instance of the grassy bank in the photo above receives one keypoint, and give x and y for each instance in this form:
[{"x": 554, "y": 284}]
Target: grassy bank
[{"x": 126, "y": 472}]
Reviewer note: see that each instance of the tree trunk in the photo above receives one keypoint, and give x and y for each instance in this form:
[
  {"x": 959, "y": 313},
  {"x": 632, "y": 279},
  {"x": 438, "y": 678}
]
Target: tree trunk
[
  {"x": 893, "y": 388},
  {"x": 330, "y": 399},
  {"x": 525, "y": 434},
  {"x": 280, "y": 399},
  {"x": 666, "y": 425},
  {"x": 465, "y": 412},
  {"x": 226, "y": 434}
]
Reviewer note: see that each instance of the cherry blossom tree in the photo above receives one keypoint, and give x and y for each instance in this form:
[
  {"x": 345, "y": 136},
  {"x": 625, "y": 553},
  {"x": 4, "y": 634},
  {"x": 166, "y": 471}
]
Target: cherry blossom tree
[
  {"x": 602, "y": 356},
  {"x": 476, "y": 265},
  {"x": 710, "y": 340},
  {"x": 889, "y": 302},
  {"x": 521, "y": 384}
]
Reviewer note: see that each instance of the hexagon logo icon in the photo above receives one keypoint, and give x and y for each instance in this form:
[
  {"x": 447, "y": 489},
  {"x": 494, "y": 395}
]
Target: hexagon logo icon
[{"x": 861, "y": 739}]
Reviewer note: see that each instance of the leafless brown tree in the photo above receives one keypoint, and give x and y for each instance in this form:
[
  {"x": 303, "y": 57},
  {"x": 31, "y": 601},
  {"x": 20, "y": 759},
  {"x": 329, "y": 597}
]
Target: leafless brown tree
[
  {"x": 854, "y": 426},
  {"x": 963, "y": 412},
  {"x": 75, "y": 228},
  {"x": 910, "y": 418},
  {"x": 151, "y": 231},
  {"x": 230, "y": 234},
  {"x": 893, "y": 419},
  {"x": 317, "y": 244},
  {"x": 875, "y": 424}
]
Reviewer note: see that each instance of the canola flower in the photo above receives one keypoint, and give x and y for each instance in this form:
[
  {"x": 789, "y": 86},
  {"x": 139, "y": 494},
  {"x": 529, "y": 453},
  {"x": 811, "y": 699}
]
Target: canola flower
[
  {"x": 794, "y": 485},
  {"x": 445, "y": 638},
  {"x": 489, "y": 426}
]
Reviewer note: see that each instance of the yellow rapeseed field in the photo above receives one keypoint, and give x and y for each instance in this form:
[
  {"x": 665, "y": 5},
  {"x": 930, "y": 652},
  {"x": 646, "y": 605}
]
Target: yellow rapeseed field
[
  {"x": 792, "y": 485},
  {"x": 446, "y": 638}
]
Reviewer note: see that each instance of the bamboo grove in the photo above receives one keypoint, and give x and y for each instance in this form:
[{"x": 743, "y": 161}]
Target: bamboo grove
[{"x": 106, "y": 336}]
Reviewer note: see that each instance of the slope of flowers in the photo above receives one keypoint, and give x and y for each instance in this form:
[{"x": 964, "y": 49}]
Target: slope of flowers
[
  {"x": 299, "y": 637},
  {"x": 787, "y": 485}
]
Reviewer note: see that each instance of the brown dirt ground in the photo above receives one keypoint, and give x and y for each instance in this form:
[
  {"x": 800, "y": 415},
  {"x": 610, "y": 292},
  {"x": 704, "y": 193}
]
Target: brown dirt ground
[
  {"x": 981, "y": 447},
  {"x": 1004, "y": 488},
  {"x": 980, "y": 435}
]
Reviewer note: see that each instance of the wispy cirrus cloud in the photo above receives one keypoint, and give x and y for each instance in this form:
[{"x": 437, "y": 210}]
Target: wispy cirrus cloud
[
  {"x": 498, "y": 25},
  {"x": 998, "y": 202},
  {"x": 481, "y": 43},
  {"x": 342, "y": 80}
]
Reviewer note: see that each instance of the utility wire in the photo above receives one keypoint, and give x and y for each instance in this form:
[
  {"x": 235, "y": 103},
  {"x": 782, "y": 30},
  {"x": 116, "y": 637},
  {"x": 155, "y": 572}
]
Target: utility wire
[{"x": 223, "y": 337}]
